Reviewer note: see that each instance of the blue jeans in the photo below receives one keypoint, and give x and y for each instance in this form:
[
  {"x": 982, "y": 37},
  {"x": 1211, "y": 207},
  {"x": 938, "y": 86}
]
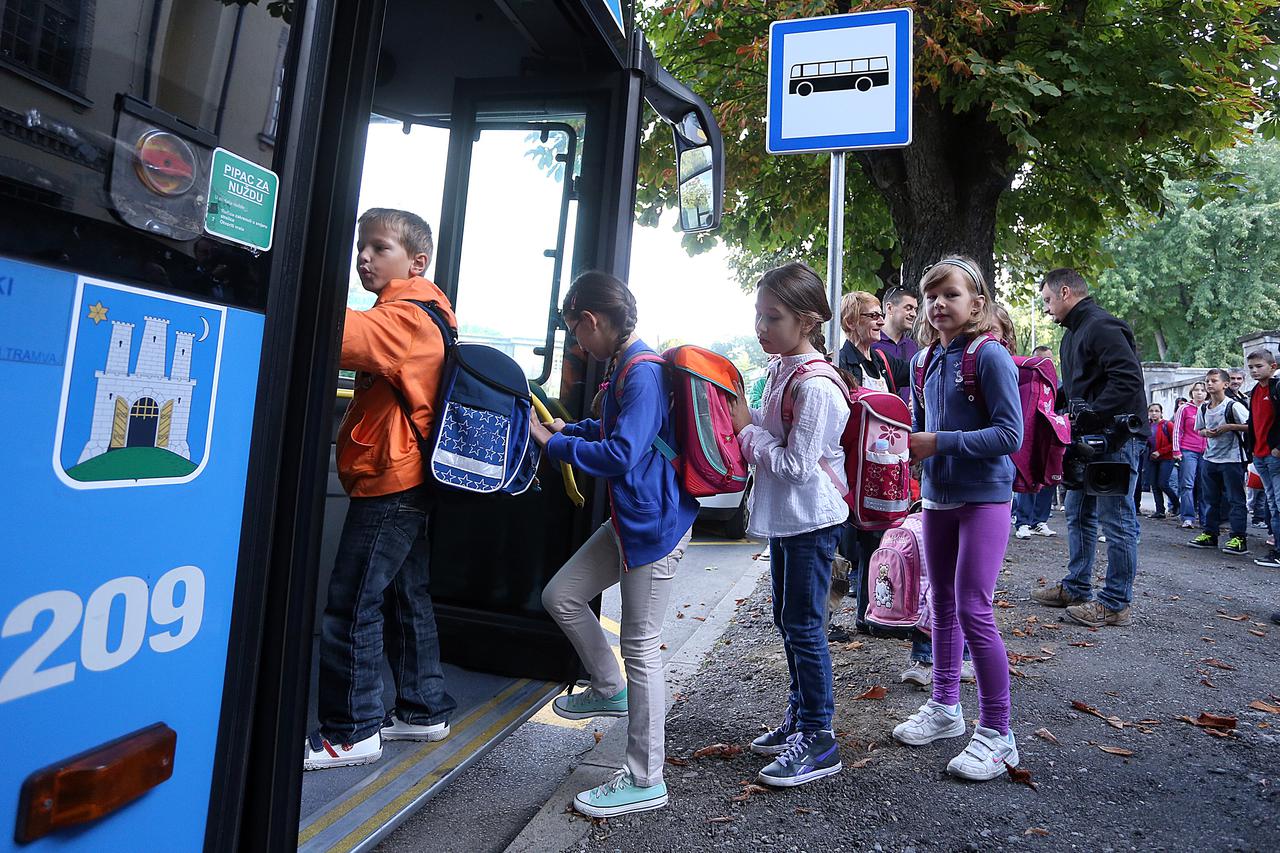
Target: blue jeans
[
  {"x": 1191, "y": 495},
  {"x": 379, "y": 595},
  {"x": 1161, "y": 484},
  {"x": 1224, "y": 489},
  {"x": 1033, "y": 509},
  {"x": 801, "y": 570},
  {"x": 1268, "y": 468},
  {"x": 1119, "y": 521},
  {"x": 922, "y": 648}
]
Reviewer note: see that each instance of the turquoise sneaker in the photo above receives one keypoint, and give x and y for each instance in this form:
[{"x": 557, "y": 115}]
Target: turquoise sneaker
[
  {"x": 588, "y": 703},
  {"x": 619, "y": 796}
]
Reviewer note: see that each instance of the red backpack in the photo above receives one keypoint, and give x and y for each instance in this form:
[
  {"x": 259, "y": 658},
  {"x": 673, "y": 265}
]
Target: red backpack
[
  {"x": 876, "y": 462},
  {"x": 1045, "y": 433}
]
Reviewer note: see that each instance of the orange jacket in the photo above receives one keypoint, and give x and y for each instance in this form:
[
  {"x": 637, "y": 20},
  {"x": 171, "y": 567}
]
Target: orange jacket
[{"x": 393, "y": 342}]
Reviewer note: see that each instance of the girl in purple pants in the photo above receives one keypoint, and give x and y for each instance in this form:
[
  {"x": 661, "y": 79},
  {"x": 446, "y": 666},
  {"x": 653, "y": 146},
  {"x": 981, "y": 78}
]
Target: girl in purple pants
[{"x": 964, "y": 436}]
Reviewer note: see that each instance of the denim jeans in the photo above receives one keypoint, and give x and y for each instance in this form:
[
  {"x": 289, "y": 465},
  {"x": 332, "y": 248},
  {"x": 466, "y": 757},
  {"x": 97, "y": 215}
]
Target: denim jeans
[
  {"x": 1161, "y": 484},
  {"x": 857, "y": 546},
  {"x": 801, "y": 570},
  {"x": 1268, "y": 468},
  {"x": 1191, "y": 495},
  {"x": 1033, "y": 509},
  {"x": 1140, "y": 483},
  {"x": 379, "y": 597},
  {"x": 922, "y": 648},
  {"x": 1119, "y": 521},
  {"x": 1224, "y": 498}
]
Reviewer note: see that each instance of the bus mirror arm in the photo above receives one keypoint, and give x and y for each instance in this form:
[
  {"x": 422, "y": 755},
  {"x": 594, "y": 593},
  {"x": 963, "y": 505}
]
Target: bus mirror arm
[{"x": 699, "y": 146}]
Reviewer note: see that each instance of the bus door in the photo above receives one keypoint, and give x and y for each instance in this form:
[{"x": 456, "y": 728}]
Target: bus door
[{"x": 521, "y": 178}]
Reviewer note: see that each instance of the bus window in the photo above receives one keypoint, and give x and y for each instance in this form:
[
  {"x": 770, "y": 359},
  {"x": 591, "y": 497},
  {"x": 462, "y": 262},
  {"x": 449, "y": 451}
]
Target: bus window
[{"x": 845, "y": 67}]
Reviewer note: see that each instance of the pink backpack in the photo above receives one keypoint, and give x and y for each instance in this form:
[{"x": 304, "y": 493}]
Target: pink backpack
[
  {"x": 702, "y": 385},
  {"x": 1045, "y": 433},
  {"x": 876, "y": 462},
  {"x": 897, "y": 585}
]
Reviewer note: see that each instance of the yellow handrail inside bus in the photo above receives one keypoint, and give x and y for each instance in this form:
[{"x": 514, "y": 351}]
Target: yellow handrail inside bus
[{"x": 566, "y": 470}]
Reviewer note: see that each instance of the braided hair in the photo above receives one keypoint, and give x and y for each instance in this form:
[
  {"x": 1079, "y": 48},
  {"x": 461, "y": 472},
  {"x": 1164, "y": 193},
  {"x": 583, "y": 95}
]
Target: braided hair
[{"x": 606, "y": 296}]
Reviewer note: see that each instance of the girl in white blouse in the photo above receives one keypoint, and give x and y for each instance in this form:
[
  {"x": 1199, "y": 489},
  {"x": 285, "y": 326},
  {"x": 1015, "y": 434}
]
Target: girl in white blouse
[{"x": 797, "y": 502}]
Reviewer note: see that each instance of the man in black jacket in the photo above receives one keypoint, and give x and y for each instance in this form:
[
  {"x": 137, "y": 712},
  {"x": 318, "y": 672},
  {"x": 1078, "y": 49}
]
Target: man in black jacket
[{"x": 1101, "y": 372}]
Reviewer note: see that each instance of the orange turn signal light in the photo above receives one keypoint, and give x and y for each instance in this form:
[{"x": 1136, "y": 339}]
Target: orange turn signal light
[{"x": 94, "y": 783}]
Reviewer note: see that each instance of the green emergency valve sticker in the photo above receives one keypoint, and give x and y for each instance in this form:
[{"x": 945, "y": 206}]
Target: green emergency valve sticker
[{"x": 242, "y": 201}]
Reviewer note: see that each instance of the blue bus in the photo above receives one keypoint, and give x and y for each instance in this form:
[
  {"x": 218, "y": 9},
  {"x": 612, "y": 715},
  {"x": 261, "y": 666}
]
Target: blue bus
[{"x": 179, "y": 181}]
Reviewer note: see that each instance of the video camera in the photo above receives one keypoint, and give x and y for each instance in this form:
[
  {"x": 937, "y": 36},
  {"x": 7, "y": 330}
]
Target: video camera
[{"x": 1094, "y": 435}]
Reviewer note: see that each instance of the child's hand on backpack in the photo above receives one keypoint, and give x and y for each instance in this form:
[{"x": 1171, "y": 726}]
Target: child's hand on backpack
[
  {"x": 740, "y": 411},
  {"x": 538, "y": 432},
  {"x": 922, "y": 444}
]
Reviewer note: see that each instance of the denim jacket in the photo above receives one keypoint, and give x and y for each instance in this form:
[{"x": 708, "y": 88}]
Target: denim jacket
[{"x": 975, "y": 435}]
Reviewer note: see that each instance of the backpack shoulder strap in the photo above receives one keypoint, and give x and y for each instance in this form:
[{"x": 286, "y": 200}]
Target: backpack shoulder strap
[
  {"x": 801, "y": 374},
  {"x": 449, "y": 335},
  {"x": 889, "y": 379},
  {"x": 969, "y": 366},
  {"x": 638, "y": 358},
  {"x": 920, "y": 367}
]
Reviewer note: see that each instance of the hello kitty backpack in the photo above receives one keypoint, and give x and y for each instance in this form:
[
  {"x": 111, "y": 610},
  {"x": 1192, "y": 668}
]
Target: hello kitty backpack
[
  {"x": 897, "y": 585},
  {"x": 876, "y": 462}
]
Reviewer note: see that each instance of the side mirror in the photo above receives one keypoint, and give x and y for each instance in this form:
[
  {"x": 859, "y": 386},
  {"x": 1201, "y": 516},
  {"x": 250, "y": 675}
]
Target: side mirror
[{"x": 697, "y": 189}]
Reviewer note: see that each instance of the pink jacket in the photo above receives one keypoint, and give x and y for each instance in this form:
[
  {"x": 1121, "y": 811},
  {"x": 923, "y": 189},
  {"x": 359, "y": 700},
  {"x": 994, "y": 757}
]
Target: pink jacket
[{"x": 1185, "y": 436}]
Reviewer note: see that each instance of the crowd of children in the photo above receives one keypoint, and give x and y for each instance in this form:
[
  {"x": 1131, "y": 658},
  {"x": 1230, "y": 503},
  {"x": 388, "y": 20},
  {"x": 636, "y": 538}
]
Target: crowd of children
[{"x": 960, "y": 445}]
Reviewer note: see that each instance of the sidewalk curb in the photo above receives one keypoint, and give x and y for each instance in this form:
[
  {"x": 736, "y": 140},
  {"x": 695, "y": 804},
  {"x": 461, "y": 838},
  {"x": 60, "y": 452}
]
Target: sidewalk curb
[{"x": 551, "y": 829}]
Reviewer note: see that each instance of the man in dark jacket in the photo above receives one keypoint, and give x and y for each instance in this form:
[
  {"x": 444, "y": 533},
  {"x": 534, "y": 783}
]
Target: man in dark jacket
[{"x": 1101, "y": 372}]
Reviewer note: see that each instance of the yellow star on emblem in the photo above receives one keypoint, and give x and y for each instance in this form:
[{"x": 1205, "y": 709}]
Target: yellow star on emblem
[{"x": 97, "y": 313}]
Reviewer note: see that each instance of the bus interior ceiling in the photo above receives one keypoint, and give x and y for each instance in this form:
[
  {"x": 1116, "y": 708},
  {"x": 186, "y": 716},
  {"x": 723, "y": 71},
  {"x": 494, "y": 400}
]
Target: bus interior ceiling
[{"x": 503, "y": 658}]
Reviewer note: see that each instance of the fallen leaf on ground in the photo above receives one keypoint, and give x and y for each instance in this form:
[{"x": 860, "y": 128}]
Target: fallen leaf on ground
[
  {"x": 1088, "y": 709},
  {"x": 1209, "y": 639},
  {"x": 1036, "y": 830},
  {"x": 718, "y": 750},
  {"x": 1211, "y": 721},
  {"x": 699, "y": 619},
  {"x": 1219, "y": 664},
  {"x": 1018, "y": 632},
  {"x": 1031, "y": 620},
  {"x": 677, "y": 761},
  {"x": 1264, "y": 725},
  {"x": 1115, "y": 750},
  {"x": 1082, "y": 645},
  {"x": 876, "y": 692},
  {"x": 854, "y": 646},
  {"x": 1045, "y": 734},
  {"x": 1259, "y": 705},
  {"x": 747, "y": 790},
  {"x": 740, "y": 601},
  {"x": 1257, "y": 633},
  {"x": 1023, "y": 777},
  {"x": 1050, "y": 627},
  {"x": 1048, "y": 651},
  {"x": 1019, "y": 673},
  {"x": 663, "y": 646},
  {"x": 1243, "y": 617},
  {"x": 1002, "y": 603},
  {"x": 719, "y": 820},
  {"x": 1207, "y": 683},
  {"x": 1217, "y": 732},
  {"x": 803, "y": 810},
  {"x": 679, "y": 614},
  {"x": 1149, "y": 722},
  {"x": 599, "y": 736},
  {"x": 862, "y": 762},
  {"x": 1175, "y": 598}
]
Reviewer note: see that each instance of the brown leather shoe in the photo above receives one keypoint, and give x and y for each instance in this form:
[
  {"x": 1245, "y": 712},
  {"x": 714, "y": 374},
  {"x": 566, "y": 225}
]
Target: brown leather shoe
[
  {"x": 1094, "y": 614},
  {"x": 1054, "y": 596}
]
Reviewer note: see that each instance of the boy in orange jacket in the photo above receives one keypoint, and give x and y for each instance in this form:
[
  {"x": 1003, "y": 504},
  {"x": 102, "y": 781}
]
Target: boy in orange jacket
[{"x": 378, "y": 592}]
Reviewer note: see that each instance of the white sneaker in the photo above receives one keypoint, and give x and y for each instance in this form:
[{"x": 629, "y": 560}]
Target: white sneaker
[
  {"x": 932, "y": 722},
  {"x": 1102, "y": 537},
  {"x": 320, "y": 754},
  {"x": 1188, "y": 523},
  {"x": 1023, "y": 531},
  {"x": 1043, "y": 529},
  {"x": 967, "y": 675},
  {"x": 985, "y": 756},
  {"x": 919, "y": 674},
  {"x": 396, "y": 729}
]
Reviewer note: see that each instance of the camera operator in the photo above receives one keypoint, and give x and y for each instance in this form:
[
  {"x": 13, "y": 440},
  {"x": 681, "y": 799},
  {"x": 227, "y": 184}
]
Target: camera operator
[{"x": 1102, "y": 378}]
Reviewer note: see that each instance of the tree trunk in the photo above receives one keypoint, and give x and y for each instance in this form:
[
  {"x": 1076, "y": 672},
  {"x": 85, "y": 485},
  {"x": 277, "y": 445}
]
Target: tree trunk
[
  {"x": 944, "y": 189},
  {"x": 1161, "y": 344}
]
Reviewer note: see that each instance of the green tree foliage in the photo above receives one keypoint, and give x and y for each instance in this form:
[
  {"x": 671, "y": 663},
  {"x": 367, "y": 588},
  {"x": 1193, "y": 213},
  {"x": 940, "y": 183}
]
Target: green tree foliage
[
  {"x": 1207, "y": 271},
  {"x": 1037, "y": 126},
  {"x": 744, "y": 351}
]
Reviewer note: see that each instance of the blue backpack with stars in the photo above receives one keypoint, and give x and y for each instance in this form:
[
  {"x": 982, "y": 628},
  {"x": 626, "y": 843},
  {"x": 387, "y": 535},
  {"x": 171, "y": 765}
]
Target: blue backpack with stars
[{"x": 480, "y": 441}]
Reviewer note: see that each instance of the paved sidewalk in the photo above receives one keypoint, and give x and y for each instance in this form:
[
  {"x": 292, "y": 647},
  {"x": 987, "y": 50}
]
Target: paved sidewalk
[{"x": 1145, "y": 780}]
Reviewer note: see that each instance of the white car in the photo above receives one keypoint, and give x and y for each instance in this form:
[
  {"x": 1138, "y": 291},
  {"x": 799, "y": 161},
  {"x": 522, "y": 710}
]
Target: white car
[{"x": 731, "y": 510}]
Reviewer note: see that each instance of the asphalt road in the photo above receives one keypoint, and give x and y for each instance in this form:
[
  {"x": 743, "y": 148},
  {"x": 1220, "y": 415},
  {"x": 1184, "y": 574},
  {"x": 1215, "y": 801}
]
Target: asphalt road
[
  {"x": 493, "y": 800},
  {"x": 1146, "y": 780}
]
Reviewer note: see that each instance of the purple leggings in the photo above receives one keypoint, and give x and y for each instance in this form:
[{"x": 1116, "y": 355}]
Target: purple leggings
[{"x": 964, "y": 549}]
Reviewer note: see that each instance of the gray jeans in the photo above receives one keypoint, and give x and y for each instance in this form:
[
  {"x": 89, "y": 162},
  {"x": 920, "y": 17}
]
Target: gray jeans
[{"x": 646, "y": 592}]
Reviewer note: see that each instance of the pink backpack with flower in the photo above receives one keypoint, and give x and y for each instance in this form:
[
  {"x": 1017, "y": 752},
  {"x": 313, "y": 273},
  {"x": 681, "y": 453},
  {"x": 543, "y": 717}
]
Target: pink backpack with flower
[
  {"x": 876, "y": 464},
  {"x": 897, "y": 584}
]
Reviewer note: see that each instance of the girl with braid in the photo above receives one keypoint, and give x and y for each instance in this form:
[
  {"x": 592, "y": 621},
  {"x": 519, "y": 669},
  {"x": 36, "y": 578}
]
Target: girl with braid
[
  {"x": 793, "y": 440},
  {"x": 639, "y": 547}
]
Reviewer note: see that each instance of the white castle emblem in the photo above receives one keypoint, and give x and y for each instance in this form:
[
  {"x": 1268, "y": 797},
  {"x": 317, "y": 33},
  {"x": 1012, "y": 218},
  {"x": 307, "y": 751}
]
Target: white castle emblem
[{"x": 145, "y": 408}]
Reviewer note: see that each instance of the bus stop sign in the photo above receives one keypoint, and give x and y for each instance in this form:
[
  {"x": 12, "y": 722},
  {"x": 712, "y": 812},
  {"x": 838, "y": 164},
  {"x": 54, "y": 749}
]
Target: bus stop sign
[{"x": 840, "y": 82}]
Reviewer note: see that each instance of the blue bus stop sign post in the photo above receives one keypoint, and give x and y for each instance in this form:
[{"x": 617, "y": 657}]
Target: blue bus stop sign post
[{"x": 839, "y": 83}]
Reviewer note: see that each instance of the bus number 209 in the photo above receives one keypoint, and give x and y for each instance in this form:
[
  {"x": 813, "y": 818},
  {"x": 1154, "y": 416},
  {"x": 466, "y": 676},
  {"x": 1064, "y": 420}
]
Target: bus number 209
[{"x": 180, "y": 612}]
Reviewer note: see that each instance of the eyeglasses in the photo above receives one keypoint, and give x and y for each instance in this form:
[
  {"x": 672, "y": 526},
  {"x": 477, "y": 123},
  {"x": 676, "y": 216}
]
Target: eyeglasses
[{"x": 874, "y": 315}]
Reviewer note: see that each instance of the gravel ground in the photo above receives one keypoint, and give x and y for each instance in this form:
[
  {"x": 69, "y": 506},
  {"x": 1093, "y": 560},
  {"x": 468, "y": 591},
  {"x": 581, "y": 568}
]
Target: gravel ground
[{"x": 1187, "y": 651}]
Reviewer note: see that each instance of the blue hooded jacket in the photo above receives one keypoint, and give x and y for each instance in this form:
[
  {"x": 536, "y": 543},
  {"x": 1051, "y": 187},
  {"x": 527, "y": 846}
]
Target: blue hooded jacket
[
  {"x": 975, "y": 436},
  {"x": 651, "y": 512}
]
